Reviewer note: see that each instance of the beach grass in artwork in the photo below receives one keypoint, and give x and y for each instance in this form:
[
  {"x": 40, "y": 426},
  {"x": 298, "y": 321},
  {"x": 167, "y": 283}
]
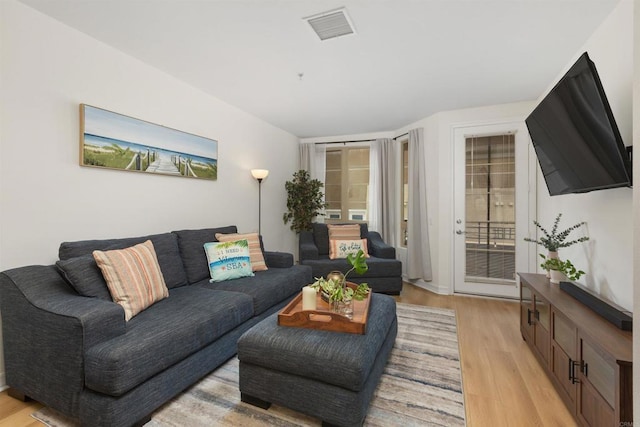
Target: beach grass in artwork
[{"x": 115, "y": 141}]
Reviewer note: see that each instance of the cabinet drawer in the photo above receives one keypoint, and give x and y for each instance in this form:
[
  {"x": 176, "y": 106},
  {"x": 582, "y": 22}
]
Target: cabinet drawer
[
  {"x": 565, "y": 334},
  {"x": 599, "y": 372}
]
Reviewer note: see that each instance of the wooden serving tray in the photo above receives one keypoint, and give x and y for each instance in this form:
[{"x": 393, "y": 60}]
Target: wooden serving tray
[{"x": 323, "y": 319}]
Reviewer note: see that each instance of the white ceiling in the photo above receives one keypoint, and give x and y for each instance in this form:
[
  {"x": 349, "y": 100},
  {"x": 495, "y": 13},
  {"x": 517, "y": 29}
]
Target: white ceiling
[{"x": 407, "y": 60}]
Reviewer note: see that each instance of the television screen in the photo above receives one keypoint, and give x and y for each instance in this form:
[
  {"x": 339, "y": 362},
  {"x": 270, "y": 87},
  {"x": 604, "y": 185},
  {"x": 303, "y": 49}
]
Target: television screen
[{"x": 575, "y": 135}]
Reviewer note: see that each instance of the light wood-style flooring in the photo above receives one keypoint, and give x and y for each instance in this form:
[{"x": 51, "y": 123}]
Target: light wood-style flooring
[{"x": 503, "y": 383}]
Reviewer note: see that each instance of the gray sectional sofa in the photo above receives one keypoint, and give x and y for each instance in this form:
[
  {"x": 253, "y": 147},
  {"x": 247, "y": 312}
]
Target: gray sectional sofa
[
  {"x": 76, "y": 353},
  {"x": 385, "y": 271}
]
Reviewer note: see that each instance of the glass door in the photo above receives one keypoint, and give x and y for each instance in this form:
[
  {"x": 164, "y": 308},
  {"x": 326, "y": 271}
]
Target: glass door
[{"x": 492, "y": 207}]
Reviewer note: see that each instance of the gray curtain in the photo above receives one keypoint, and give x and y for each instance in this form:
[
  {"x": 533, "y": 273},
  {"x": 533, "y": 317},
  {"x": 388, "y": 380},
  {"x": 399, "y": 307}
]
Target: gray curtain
[
  {"x": 313, "y": 160},
  {"x": 381, "y": 201},
  {"x": 418, "y": 250}
]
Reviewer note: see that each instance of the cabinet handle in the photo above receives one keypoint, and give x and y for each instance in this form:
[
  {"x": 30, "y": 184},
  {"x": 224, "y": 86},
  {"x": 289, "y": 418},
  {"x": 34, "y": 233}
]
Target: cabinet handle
[
  {"x": 529, "y": 316},
  {"x": 537, "y": 315},
  {"x": 584, "y": 368},
  {"x": 572, "y": 371}
]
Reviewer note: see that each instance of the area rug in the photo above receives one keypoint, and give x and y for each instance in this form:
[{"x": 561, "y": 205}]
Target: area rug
[{"x": 421, "y": 386}]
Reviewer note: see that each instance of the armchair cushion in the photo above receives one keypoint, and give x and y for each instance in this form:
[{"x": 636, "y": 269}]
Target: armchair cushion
[{"x": 321, "y": 236}]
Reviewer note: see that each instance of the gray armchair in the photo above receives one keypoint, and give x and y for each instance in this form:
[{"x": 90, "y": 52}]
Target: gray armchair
[{"x": 385, "y": 271}]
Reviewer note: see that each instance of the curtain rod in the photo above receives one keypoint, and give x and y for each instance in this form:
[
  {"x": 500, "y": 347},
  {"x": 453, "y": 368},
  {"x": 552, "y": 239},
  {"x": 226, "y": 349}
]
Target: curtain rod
[
  {"x": 345, "y": 142},
  {"x": 357, "y": 140}
]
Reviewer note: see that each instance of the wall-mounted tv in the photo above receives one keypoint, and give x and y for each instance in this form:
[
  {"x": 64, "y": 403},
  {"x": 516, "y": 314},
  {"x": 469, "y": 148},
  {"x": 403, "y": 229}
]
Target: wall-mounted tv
[{"x": 575, "y": 135}]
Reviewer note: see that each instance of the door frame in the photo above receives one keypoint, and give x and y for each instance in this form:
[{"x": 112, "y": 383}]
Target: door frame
[{"x": 528, "y": 259}]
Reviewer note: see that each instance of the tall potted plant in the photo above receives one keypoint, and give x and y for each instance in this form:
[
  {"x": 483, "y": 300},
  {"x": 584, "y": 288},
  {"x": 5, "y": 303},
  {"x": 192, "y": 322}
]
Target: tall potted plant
[{"x": 305, "y": 201}]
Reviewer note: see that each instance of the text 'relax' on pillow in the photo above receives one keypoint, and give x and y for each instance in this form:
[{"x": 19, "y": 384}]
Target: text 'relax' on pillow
[
  {"x": 255, "y": 251},
  {"x": 342, "y": 248},
  {"x": 344, "y": 232},
  {"x": 133, "y": 277},
  {"x": 228, "y": 260}
]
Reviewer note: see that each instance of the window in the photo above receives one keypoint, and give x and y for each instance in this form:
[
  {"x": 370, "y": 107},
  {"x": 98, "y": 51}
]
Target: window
[
  {"x": 404, "y": 191},
  {"x": 347, "y": 184}
]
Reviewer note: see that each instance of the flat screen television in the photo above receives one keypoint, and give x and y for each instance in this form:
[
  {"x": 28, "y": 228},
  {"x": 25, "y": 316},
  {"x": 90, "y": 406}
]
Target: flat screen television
[{"x": 575, "y": 135}]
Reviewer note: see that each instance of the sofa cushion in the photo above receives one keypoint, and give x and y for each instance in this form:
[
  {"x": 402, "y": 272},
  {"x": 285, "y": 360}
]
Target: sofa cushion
[
  {"x": 84, "y": 275},
  {"x": 169, "y": 331},
  {"x": 255, "y": 249},
  {"x": 321, "y": 236},
  {"x": 267, "y": 288},
  {"x": 191, "y": 244},
  {"x": 228, "y": 260},
  {"x": 165, "y": 244},
  {"x": 133, "y": 277}
]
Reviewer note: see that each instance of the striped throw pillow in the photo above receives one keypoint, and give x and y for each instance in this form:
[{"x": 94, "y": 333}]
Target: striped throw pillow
[
  {"x": 344, "y": 232},
  {"x": 133, "y": 277},
  {"x": 255, "y": 251}
]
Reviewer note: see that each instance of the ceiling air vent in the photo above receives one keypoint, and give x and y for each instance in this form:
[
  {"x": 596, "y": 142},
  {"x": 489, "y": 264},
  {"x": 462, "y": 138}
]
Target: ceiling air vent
[{"x": 331, "y": 24}]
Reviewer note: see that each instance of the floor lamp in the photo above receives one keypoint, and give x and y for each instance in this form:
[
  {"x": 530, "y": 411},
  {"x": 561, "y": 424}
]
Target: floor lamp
[{"x": 259, "y": 174}]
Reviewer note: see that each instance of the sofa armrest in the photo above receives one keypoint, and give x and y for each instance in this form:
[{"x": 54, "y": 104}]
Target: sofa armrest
[
  {"x": 278, "y": 259},
  {"x": 47, "y": 328},
  {"x": 378, "y": 248},
  {"x": 307, "y": 246}
]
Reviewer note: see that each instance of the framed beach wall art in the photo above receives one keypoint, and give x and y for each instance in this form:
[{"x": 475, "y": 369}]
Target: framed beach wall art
[{"x": 114, "y": 141}]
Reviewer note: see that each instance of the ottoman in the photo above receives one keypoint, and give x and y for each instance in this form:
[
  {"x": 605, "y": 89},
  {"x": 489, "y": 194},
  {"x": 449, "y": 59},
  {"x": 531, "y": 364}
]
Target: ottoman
[{"x": 328, "y": 375}]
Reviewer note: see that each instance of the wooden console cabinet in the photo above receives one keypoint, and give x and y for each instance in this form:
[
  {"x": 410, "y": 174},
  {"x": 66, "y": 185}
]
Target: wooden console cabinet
[{"x": 588, "y": 359}]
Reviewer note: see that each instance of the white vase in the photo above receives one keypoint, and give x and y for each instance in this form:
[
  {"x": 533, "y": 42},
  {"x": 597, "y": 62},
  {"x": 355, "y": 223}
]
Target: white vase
[
  {"x": 557, "y": 276},
  {"x": 552, "y": 255}
]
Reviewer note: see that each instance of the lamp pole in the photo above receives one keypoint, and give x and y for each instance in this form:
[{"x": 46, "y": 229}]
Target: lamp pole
[
  {"x": 259, "y": 205},
  {"x": 259, "y": 175}
]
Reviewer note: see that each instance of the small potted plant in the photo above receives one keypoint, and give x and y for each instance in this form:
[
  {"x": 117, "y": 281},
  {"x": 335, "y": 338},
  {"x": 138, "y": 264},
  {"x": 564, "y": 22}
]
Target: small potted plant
[
  {"x": 339, "y": 295},
  {"x": 560, "y": 270}
]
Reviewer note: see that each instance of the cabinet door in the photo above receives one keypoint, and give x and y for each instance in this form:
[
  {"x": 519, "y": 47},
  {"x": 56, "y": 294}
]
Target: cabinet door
[
  {"x": 541, "y": 329},
  {"x": 526, "y": 313},
  {"x": 563, "y": 363},
  {"x": 597, "y": 395}
]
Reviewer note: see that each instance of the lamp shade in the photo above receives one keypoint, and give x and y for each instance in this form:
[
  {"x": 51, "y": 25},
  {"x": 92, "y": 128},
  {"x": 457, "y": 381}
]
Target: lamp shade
[{"x": 259, "y": 173}]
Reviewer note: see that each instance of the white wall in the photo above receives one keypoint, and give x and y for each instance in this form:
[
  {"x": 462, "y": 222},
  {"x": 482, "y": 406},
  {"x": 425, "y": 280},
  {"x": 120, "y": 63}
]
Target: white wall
[
  {"x": 48, "y": 69},
  {"x": 607, "y": 256}
]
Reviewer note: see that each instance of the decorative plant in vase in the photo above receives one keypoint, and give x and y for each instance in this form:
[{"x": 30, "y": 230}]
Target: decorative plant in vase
[
  {"x": 560, "y": 269},
  {"x": 557, "y": 239},
  {"x": 339, "y": 295}
]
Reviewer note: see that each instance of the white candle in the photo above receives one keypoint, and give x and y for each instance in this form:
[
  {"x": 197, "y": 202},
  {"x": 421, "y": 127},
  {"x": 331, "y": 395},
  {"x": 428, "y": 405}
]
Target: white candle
[{"x": 308, "y": 298}]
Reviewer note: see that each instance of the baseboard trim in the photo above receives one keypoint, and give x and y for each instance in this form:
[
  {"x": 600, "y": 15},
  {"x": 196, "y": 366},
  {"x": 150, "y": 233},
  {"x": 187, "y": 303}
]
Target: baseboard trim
[{"x": 429, "y": 286}]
